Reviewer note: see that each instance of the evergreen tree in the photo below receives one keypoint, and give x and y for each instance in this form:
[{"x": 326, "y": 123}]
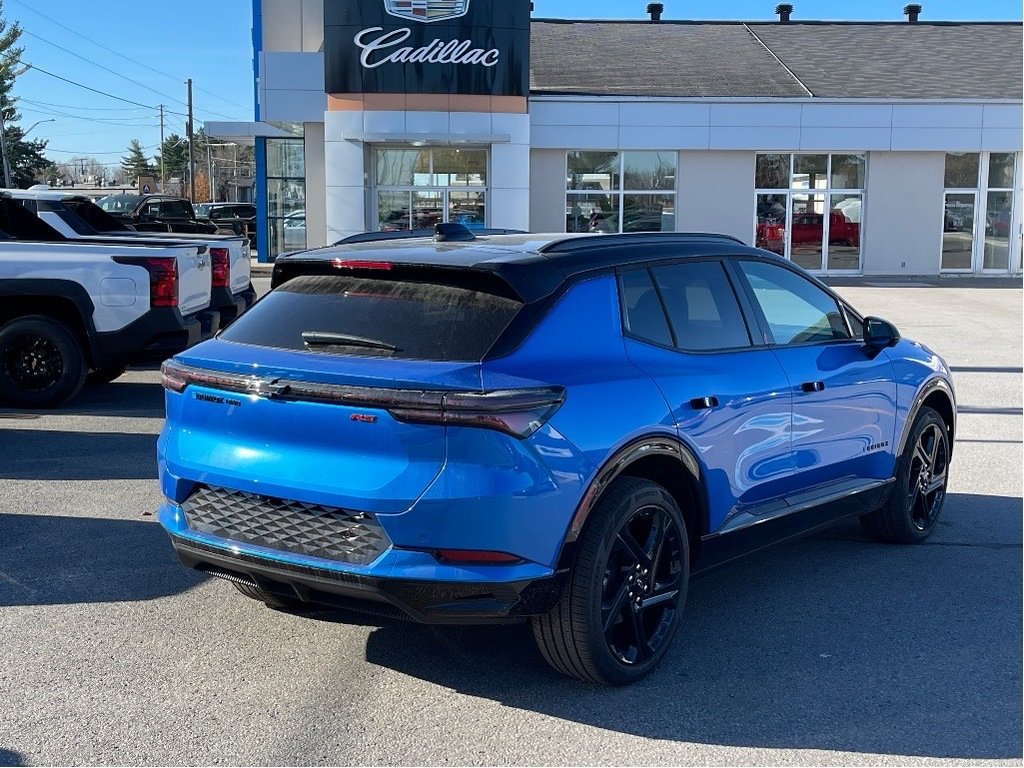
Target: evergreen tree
[
  {"x": 135, "y": 163},
  {"x": 25, "y": 158},
  {"x": 175, "y": 155}
]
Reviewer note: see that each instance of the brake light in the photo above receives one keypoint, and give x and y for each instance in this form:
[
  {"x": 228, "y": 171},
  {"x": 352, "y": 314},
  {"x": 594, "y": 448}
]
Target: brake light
[
  {"x": 475, "y": 557},
  {"x": 163, "y": 278},
  {"x": 516, "y": 412},
  {"x": 221, "y": 267},
  {"x": 348, "y": 264}
]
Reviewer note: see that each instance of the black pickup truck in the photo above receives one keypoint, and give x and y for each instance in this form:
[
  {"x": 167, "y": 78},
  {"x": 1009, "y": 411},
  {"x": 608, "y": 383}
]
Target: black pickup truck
[{"x": 156, "y": 213}]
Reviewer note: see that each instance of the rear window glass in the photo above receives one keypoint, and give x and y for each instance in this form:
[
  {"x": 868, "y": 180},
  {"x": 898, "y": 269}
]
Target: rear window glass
[{"x": 380, "y": 318}]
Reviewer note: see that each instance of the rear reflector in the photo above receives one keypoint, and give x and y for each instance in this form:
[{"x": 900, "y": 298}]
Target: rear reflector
[
  {"x": 163, "y": 278},
  {"x": 221, "y": 267},
  {"x": 475, "y": 557},
  {"x": 516, "y": 412}
]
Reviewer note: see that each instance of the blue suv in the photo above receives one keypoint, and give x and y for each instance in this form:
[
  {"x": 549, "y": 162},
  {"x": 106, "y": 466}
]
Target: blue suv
[{"x": 552, "y": 429}]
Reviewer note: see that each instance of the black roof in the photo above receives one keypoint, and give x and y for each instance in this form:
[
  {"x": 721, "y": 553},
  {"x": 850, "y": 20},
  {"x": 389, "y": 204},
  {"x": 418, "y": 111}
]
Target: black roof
[
  {"x": 897, "y": 60},
  {"x": 533, "y": 266}
]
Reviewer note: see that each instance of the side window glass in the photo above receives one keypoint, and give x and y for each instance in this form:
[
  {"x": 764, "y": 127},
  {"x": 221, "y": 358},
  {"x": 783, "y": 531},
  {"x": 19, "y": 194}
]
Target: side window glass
[
  {"x": 644, "y": 315},
  {"x": 797, "y": 311},
  {"x": 701, "y": 306}
]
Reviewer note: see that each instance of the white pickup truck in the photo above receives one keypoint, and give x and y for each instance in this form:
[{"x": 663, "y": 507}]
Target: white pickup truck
[
  {"x": 78, "y": 308},
  {"x": 76, "y": 217}
]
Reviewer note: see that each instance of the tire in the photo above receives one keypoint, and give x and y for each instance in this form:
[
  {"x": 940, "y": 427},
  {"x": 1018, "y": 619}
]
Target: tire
[
  {"x": 276, "y": 602},
  {"x": 922, "y": 476},
  {"x": 42, "y": 364},
  {"x": 634, "y": 551},
  {"x": 105, "y": 375}
]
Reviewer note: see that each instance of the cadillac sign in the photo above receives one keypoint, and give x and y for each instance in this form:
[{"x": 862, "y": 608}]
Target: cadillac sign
[{"x": 427, "y": 46}]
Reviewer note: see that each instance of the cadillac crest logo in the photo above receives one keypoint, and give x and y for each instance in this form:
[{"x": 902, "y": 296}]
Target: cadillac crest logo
[{"x": 427, "y": 10}]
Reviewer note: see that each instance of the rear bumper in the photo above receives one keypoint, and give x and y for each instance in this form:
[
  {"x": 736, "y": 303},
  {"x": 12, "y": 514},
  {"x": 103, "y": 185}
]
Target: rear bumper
[
  {"x": 157, "y": 335},
  {"x": 231, "y": 305},
  {"x": 430, "y": 601}
]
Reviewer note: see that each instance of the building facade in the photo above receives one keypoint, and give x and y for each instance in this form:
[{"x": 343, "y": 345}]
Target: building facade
[{"x": 851, "y": 148}]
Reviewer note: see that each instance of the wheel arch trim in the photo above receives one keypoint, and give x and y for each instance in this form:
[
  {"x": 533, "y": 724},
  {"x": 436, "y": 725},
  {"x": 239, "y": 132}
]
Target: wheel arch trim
[
  {"x": 929, "y": 388},
  {"x": 618, "y": 463}
]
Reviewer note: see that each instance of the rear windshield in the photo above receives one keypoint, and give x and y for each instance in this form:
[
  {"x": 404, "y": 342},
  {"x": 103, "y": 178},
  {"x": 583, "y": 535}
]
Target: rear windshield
[
  {"x": 381, "y": 318},
  {"x": 120, "y": 203},
  {"x": 95, "y": 216}
]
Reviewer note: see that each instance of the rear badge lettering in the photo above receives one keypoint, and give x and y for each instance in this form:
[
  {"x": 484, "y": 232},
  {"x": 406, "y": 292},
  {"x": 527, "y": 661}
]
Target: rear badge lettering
[
  {"x": 216, "y": 399},
  {"x": 364, "y": 418}
]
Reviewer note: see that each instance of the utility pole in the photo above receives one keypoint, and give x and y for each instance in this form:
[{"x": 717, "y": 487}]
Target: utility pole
[
  {"x": 163, "y": 177},
  {"x": 3, "y": 146},
  {"x": 191, "y": 155}
]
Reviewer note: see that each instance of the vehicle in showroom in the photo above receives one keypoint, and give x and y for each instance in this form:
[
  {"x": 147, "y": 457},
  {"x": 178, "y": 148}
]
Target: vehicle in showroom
[
  {"x": 76, "y": 217},
  {"x": 72, "y": 310},
  {"x": 545, "y": 428}
]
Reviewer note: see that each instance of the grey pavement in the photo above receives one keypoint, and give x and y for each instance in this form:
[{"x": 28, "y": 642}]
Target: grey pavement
[{"x": 832, "y": 650}]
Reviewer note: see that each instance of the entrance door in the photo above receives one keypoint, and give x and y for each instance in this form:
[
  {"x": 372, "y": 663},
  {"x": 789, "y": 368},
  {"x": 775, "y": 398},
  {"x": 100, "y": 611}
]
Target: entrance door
[{"x": 958, "y": 231}]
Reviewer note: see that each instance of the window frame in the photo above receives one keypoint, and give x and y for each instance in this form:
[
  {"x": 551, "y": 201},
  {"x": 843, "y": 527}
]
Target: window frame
[
  {"x": 828, "y": 192},
  {"x": 762, "y": 321},
  {"x": 621, "y": 191},
  {"x": 742, "y": 301}
]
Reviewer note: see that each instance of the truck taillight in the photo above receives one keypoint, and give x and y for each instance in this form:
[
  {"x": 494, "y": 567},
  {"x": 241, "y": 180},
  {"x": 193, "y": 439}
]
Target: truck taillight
[
  {"x": 221, "y": 267},
  {"x": 163, "y": 279}
]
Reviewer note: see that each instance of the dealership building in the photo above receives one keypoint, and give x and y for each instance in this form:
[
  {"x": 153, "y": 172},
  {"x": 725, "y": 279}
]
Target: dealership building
[{"x": 852, "y": 148}]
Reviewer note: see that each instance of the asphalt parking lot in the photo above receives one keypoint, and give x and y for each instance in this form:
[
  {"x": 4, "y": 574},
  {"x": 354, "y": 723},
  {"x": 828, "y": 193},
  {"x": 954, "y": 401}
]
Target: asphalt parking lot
[{"x": 832, "y": 650}]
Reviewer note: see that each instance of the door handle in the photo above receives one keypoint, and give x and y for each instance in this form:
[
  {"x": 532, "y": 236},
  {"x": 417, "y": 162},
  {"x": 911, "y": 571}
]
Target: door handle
[
  {"x": 813, "y": 386},
  {"x": 703, "y": 403}
]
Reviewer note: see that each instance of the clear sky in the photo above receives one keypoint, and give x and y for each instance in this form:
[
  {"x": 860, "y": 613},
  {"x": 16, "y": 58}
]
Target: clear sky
[{"x": 143, "y": 51}]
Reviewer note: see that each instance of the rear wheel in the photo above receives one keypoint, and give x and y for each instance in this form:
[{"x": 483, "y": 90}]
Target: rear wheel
[
  {"x": 922, "y": 475},
  {"x": 42, "y": 364},
  {"x": 619, "y": 612}
]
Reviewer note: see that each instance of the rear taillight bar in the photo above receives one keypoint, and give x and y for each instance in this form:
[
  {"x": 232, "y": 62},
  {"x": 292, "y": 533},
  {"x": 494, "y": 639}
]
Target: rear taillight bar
[
  {"x": 517, "y": 412},
  {"x": 163, "y": 278}
]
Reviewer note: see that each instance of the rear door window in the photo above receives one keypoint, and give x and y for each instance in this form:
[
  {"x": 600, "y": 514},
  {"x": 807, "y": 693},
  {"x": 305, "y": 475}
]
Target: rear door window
[
  {"x": 643, "y": 312},
  {"x": 350, "y": 315},
  {"x": 702, "y": 307}
]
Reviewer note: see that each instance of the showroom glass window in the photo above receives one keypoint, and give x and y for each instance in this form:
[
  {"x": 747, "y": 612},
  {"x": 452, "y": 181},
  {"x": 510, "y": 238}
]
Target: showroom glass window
[
  {"x": 286, "y": 195},
  {"x": 419, "y": 187},
  {"x": 809, "y": 208},
  {"x": 620, "y": 191},
  {"x": 978, "y": 211}
]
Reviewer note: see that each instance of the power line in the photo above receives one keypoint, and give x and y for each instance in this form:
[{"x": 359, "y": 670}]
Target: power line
[
  {"x": 127, "y": 122},
  {"x": 86, "y": 154},
  {"x": 79, "y": 35},
  {"x": 105, "y": 69},
  {"x": 74, "y": 106}
]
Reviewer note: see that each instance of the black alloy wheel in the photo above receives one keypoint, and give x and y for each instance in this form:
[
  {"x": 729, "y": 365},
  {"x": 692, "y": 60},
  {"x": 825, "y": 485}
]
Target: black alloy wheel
[
  {"x": 620, "y": 610},
  {"x": 41, "y": 362},
  {"x": 928, "y": 476},
  {"x": 642, "y": 581},
  {"x": 922, "y": 475}
]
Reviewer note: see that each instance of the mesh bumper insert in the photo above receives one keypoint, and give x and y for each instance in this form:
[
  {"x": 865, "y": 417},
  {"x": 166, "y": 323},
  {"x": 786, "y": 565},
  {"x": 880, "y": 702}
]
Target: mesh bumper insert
[{"x": 312, "y": 530}]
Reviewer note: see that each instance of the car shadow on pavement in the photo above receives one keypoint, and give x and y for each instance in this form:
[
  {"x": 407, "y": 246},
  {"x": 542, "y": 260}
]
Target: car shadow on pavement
[
  {"x": 10, "y": 758},
  {"x": 830, "y": 642},
  {"x": 49, "y": 560},
  {"x": 36, "y": 454},
  {"x": 123, "y": 399}
]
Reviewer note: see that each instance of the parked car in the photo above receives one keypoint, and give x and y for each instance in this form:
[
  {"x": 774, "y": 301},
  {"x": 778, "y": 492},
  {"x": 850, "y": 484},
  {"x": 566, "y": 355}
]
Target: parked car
[
  {"x": 552, "y": 429},
  {"x": 231, "y": 218},
  {"x": 72, "y": 309},
  {"x": 156, "y": 213},
  {"x": 76, "y": 217}
]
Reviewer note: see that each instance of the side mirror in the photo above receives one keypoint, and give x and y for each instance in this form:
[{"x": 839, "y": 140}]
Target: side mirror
[{"x": 879, "y": 333}]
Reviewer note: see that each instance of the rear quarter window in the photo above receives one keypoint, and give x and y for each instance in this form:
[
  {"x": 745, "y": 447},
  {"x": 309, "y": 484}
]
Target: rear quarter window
[{"x": 382, "y": 318}]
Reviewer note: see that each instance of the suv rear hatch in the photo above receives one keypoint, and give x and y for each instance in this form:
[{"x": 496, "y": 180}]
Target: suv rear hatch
[{"x": 338, "y": 390}]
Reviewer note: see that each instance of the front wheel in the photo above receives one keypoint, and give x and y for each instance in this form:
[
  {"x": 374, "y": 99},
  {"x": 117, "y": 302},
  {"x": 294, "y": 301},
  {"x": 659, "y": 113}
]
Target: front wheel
[
  {"x": 42, "y": 364},
  {"x": 922, "y": 475},
  {"x": 619, "y": 612}
]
